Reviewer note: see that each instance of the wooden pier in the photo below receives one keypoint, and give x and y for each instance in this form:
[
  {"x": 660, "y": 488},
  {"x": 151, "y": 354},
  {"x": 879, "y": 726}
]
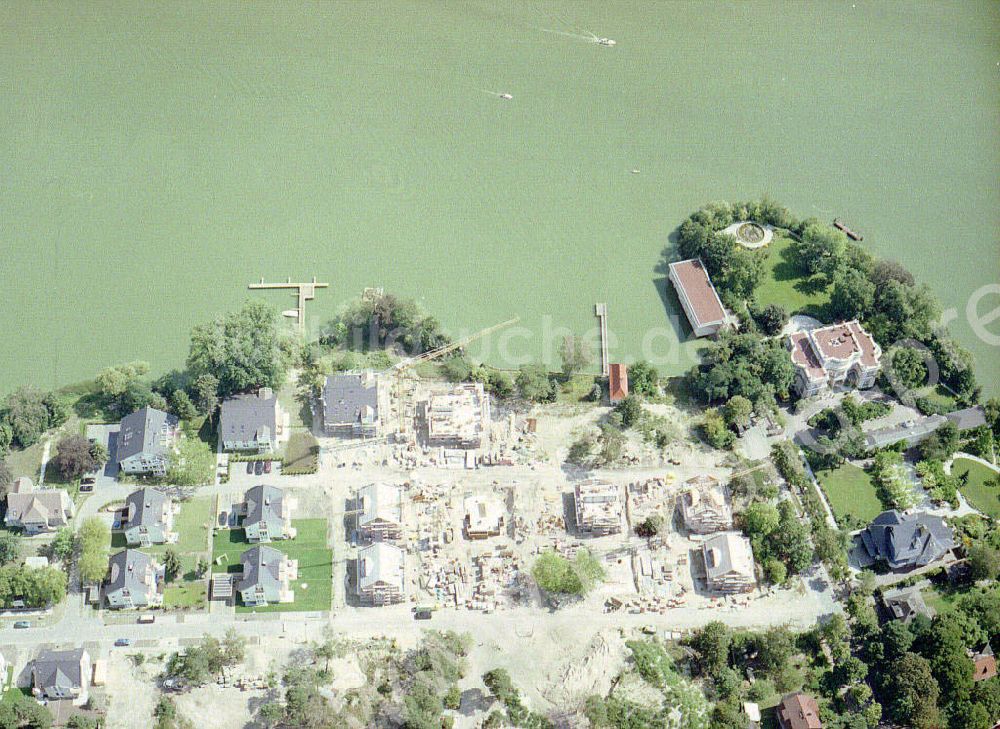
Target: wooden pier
[
  {"x": 601, "y": 312},
  {"x": 305, "y": 291},
  {"x": 841, "y": 225}
]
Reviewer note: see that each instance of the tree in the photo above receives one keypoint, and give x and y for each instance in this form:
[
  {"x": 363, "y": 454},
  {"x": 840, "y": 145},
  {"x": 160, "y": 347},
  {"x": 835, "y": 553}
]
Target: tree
[
  {"x": 74, "y": 457},
  {"x": 737, "y": 412},
  {"x": 941, "y": 444},
  {"x": 771, "y": 319},
  {"x": 576, "y": 355},
  {"x": 775, "y": 571},
  {"x": 643, "y": 379},
  {"x": 94, "y": 539},
  {"x": 853, "y": 295},
  {"x": 912, "y": 693},
  {"x": 790, "y": 540},
  {"x": 712, "y": 644},
  {"x": 630, "y": 410},
  {"x": 760, "y": 519},
  {"x": 242, "y": 349},
  {"x": 534, "y": 384},
  {"x": 171, "y": 564},
  {"x": 984, "y": 562},
  {"x": 560, "y": 576},
  {"x": 10, "y": 547},
  {"x": 822, "y": 249},
  {"x": 610, "y": 443},
  {"x": 113, "y": 382},
  {"x": 206, "y": 394},
  {"x": 181, "y": 405},
  {"x": 908, "y": 366},
  {"x": 29, "y": 413},
  {"x": 713, "y": 426},
  {"x": 63, "y": 544}
]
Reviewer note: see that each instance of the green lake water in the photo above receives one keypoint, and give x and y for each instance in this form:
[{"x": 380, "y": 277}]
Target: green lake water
[{"x": 157, "y": 158}]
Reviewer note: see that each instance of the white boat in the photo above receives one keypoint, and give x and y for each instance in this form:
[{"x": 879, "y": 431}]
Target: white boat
[
  {"x": 506, "y": 96},
  {"x": 291, "y": 313},
  {"x": 605, "y": 42}
]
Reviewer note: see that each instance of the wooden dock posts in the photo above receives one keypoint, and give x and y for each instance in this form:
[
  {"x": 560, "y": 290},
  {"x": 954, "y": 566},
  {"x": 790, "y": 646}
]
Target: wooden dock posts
[
  {"x": 601, "y": 312},
  {"x": 305, "y": 291}
]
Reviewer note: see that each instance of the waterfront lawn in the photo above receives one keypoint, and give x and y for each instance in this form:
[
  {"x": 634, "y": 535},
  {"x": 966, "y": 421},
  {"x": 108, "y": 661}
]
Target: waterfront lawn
[
  {"x": 788, "y": 286},
  {"x": 981, "y": 496},
  {"x": 312, "y": 588},
  {"x": 940, "y": 397},
  {"x": 575, "y": 389},
  {"x": 851, "y": 494}
]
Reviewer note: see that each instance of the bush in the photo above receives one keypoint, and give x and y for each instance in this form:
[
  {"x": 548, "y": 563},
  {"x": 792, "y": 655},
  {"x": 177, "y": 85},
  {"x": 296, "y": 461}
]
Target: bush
[
  {"x": 630, "y": 411},
  {"x": 771, "y": 319},
  {"x": 534, "y": 384},
  {"x": 558, "y": 575}
]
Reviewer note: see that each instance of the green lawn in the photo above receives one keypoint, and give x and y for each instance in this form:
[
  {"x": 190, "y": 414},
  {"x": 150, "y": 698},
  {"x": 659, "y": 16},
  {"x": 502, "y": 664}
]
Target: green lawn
[
  {"x": 941, "y": 602},
  {"x": 575, "y": 389},
  {"x": 982, "y": 497},
  {"x": 192, "y": 525},
  {"x": 788, "y": 286},
  {"x": 939, "y": 396},
  {"x": 312, "y": 589},
  {"x": 851, "y": 494},
  {"x": 301, "y": 454}
]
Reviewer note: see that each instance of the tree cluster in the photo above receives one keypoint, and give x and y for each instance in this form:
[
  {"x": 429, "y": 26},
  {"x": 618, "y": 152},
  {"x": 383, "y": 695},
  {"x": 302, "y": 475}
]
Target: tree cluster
[
  {"x": 557, "y": 575},
  {"x": 26, "y": 414}
]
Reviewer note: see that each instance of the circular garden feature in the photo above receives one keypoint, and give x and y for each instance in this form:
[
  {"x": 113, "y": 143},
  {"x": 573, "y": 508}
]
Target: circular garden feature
[{"x": 750, "y": 234}]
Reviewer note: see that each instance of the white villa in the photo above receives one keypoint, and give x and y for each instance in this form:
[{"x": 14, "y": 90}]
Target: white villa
[{"x": 835, "y": 355}]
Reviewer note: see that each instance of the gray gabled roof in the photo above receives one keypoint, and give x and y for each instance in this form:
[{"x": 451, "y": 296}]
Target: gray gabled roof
[
  {"x": 141, "y": 432},
  {"x": 249, "y": 418},
  {"x": 59, "y": 668},
  {"x": 261, "y": 566},
  {"x": 380, "y": 563},
  {"x": 379, "y": 501},
  {"x": 144, "y": 508},
  {"x": 265, "y": 504},
  {"x": 127, "y": 569},
  {"x": 728, "y": 552},
  {"x": 907, "y": 541},
  {"x": 350, "y": 397},
  {"x": 968, "y": 418}
]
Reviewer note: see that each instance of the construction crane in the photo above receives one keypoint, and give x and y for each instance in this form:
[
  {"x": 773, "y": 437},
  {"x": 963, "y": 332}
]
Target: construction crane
[
  {"x": 399, "y": 369},
  {"x": 441, "y": 351}
]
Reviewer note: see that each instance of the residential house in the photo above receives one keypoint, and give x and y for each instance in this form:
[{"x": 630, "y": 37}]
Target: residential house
[
  {"x": 37, "y": 510},
  {"x": 599, "y": 507},
  {"x": 904, "y": 604},
  {"x": 483, "y": 516},
  {"x": 698, "y": 297},
  {"x": 798, "y": 711},
  {"x": 267, "y": 577},
  {"x": 135, "y": 580},
  {"x": 253, "y": 422},
  {"x": 729, "y": 564},
  {"x": 62, "y": 675},
  {"x": 457, "y": 418},
  {"x": 617, "y": 383},
  {"x": 381, "y": 574},
  {"x": 911, "y": 431},
  {"x": 984, "y": 663},
  {"x": 837, "y": 355},
  {"x": 148, "y": 518},
  {"x": 380, "y": 512},
  {"x": 355, "y": 404},
  {"x": 146, "y": 440},
  {"x": 267, "y": 514},
  {"x": 906, "y": 542},
  {"x": 706, "y": 505}
]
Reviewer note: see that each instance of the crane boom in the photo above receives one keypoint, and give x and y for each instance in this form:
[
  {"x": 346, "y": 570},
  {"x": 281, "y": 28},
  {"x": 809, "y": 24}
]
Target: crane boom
[{"x": 440, "y": 351}]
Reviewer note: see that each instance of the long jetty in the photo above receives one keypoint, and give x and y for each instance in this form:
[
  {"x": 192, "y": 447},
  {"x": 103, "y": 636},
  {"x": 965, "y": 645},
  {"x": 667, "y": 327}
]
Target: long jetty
[{"x": 601, "y": 312}]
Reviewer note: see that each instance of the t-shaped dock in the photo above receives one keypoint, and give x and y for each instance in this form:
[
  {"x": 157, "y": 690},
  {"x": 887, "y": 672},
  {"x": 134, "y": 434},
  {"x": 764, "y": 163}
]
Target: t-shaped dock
[{"x": 306, "y": 292}]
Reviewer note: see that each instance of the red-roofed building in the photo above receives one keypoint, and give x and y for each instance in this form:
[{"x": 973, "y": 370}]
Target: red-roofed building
[
  {"x": 617, "y": 383},
  {"x": 798, "y": 711},
  {"x": 698, "y": 297},
  {"x": 985, "y": 663},
  {"x": 839, "y": 354}
]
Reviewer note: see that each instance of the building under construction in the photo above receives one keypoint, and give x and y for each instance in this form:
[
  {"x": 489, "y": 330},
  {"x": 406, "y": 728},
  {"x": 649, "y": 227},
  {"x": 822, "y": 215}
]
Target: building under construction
[
  {"x": 456, "y": 418},
  {"x": 706, "y": 506},
  {"x": 483, "y": 517},
  {"x": 599, "y": 507}
]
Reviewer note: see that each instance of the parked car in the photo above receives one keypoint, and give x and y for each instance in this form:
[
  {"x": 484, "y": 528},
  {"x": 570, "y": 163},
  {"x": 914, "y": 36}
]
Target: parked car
[
  {"x": 423, "y": 614},
  {"x": 88, "y": 480},
  {"x": 258, "y": 467},
  {"x": 86, "y": 488},
  {"x": 21, "y": 624},
  {"x": 267, "y": 466},
  {"x": 122, "y": 642},
  {"x": 249, "y": 466}
]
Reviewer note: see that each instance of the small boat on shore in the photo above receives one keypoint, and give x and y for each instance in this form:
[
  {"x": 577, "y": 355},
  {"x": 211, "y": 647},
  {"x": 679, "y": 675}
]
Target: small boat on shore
[{"x": 841, "y": 225}]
